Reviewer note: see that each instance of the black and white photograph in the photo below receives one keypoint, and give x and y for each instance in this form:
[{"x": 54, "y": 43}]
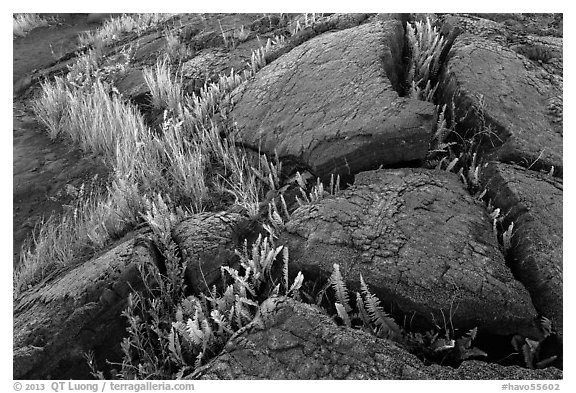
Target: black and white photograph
[{"x": 287, "y": 196}]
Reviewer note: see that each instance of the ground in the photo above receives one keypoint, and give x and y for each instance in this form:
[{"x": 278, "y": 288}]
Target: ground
[{"x": 45, "y": 173}]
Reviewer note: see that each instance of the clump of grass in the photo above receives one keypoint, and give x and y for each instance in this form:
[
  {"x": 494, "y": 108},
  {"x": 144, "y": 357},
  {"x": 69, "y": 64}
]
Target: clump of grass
[
  {"x": 242, "y": 34},
  {"x": 426, "y": 45},
  {"x": 114, "y": 28},
  {"x": 52, "y": 107},
  {"x": 94, "y": 219},
  {"x": 175, "y": 49},
  {"x": 166, "y": 91},
  {"x": 92, "y": 119},
  {"x": 303, "y": 21},
  {"x": 24, "y": 23}
]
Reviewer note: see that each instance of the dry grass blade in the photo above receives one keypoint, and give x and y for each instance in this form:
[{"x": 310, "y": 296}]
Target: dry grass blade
[{"x": 24, "y": 23}]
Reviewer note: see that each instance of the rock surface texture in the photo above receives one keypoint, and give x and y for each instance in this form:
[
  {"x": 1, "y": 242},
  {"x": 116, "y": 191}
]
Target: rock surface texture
[
  {"x": 207, "y": 241},
  {"x": 332, "y": 98},
  {"x": 55, "y": 325},
  {"x": 330, "y": 105},
  {"x": 291, "y": 340},
  {"x": 493, "y": 86},
  {"x": 533, "y": 202},
  {"x": 421, "y": 243}
]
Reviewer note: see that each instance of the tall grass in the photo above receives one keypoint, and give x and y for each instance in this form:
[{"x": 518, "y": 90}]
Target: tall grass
[
  {"x": 92, "y": 119},
  {"x": 184, "y": 163},
  {"x": 113, "y": 29},
  {"x": 24, "y": 23},
  {"x": 166, "y": 90},
  {"x": 52, "y": 107},
  {"x": 426, "y": 45},
  {"x": 175, "y": 49},
  {"x": 95, "y": 219}
]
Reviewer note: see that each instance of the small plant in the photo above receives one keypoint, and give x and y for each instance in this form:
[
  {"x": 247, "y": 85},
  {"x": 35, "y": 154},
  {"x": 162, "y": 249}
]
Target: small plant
[
  {"x": 507, "y": 238},
  {"x": 426, "y": 45},
  {"x": 175, "y": 49},
  {"x": 166, "y": 91},
  {"x": 432, "y": 347},
  {"x": 24, "y": 23},
  {"x": 369, "y": 312},
  {"x": 438, "y": 145},
  {"x": 114, "y": 28},
  {"x": 531, "y": 349},
  {"x": 318, "y": 191},
  {"x": 243, "y": 34},
  {"x": 202, "y": 325}
]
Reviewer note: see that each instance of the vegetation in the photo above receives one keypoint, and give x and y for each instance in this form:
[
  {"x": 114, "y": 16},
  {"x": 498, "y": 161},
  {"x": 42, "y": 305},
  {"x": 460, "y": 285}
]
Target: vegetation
[
  {"x": 426, "y": 45},
  {"x": 114, "y": 28},
  {"x": 24, "y": 23},
  {"x": 367, "y": 314},
  {"x": 190, "y": 163},
  {"x": 184, "y": 163}
]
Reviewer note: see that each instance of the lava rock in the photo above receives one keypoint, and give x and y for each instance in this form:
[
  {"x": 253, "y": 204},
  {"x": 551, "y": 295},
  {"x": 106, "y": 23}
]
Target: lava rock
[
  {"x": 533, "y": 202},
  {"x": 77, "y": 312},
  {"x": 494, "y": 87},
  {"x": 207, "y": 242},
  {"x": 422, "y": 244},
  {"x": 292, "y": 340},
  {"x": 331, "y": 104}
]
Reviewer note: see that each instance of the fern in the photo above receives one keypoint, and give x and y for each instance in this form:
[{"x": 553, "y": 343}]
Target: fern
[
  {"x": 294, "y": 289},
  {"x": 386, "y": 326},
  {"x": 531, "y": 349},
  {"x": 343, "y": 313},
  {"x": 507, "y": 238},
  {"x": 362, "y": 313},
  {"x": 465, "y": 348},
  {"x": 285, "y": 268},
  {"x": 339, "y": 287}
]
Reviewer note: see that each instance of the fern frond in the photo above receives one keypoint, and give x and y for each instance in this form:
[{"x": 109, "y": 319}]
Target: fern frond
[
  {"x": 284, "y": 207},
  {"x": 242, "y": 314},
  {"x": 174, "y": 345},
  {"x": 385, "y": 325},
  {"x": 339, "y": 287},
  {"x": 507, "y": 237},
  {"x": 362, "y": 313},
  {"x": 546, "y": 326},
  {"x": 343, "y": 314},
  {"x": 239, "y": 282},
  {"x": 221, "y": 321},
  {"x": 198, "y": 361},
  {"x": 452, "y": 164},
  {"x": 546, "y": 362},
  {"x": 285, "y": 268},
  {"x": 194, "y": 330},
  {"x": 295, "y": 288}
]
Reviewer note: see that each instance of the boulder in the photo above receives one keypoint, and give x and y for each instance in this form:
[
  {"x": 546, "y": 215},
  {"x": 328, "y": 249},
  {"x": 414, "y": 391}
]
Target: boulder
[
  {"x": 292, "y": 340},
  {"x": 533, "y": 202},
  {"x": 422, "y": 244},
  {"x": 77, "y": 312},
  {"x": 207, "y": 241},
  {"x": 535, "y": 37},
  {"x": 496, "y": 87},
  {"x": 331, "y": 104}
]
